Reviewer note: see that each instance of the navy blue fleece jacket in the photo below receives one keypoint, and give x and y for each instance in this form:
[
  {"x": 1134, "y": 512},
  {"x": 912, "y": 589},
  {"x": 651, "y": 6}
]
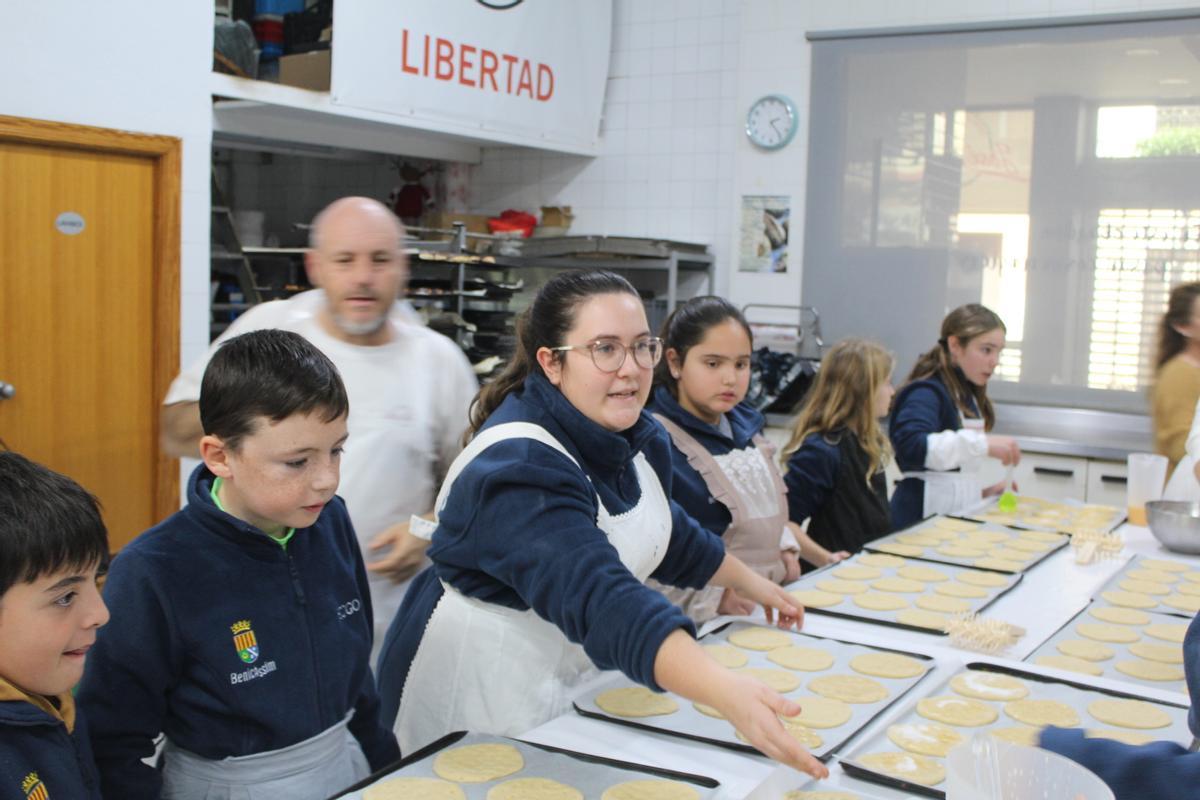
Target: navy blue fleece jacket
[
  {"x": 920, "y": 408},
  {"x": 37, "y": 749},
  {"x": 230, "y": 644}
]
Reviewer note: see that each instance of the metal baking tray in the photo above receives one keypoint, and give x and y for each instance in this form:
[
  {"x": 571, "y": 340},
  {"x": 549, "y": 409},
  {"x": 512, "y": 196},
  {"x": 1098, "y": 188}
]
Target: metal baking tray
[
  {"x": 988, "y": 512},
  {"x": 689, "y": 723},
  {"x": 1076, "y": 695},
  {"x": 1120, "y": 649},
  {"x": 1029, "y": 559},
  {"x": 849, "y": 610},
  {"x": 1142, "y": 563},
  {"x": 587, "y": 773}
]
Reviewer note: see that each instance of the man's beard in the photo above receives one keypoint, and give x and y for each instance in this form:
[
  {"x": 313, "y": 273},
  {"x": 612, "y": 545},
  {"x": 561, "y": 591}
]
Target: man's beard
[{"x": 364, "y": 328}]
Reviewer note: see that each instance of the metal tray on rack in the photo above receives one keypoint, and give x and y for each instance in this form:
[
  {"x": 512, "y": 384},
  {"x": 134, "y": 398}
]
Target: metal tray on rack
[
  {"x": 689, "y": 723},
  {"x": 968, "y": 543},
  {"x": 1185, "y": 603}
]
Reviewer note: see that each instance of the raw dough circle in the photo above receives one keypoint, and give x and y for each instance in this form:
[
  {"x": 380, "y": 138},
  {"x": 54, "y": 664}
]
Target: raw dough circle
[
  {"x": 1042, "y": 712},
  {"x": 806, "y": 659},
  {"x": 1129, "y": 599},
  {"x": 976, "y": 578},
  {"x": 916, "y": 539},
  {"x": 849, "y": 688},
  {"x": 838, "y": 586},
  {"x": 1029, "y": 546},
  {"x": 898, "y": 549},
  {"x": 906, "y": 766},
  {"x": 635, "y": 701},
  {"x": 759, "y": 638},
  {"x": 920, "y": 618},
  {"x": 650, "y": 790},
  {"x": 415, "y": 789},
  {"x": 855, "y": 572},
  {"x": 1184, "y": 602},
  {"x": 962, "y": 712},
  {"x": 990, "y": 537},
  {"x": 988, "y": 685},
  {"x": 726, "y": 655},
  {"x": 821, "y": 712},
  {"x": 926, "y": 738},
  {"x": 1167, "y": 654},
  {"x": 1129, "y": 713},
  {"x": 946, "y": 523},
  {"x": 887, "y": 665},
  {"x": 894, "y": 584},
  {"x": 1105, "y": 632},
  {"x": 805, "y": 736},
  {"x": 1166, "y": 631},
  {"x": 961, "y": 551},
  {"x": 708, "y": 710},
  {"x": 477, "y": 763},
  {"x": 881, "y": 560},
  {"x": 1018, "y": 734},
  {"x": 1041, "y": 536},
  {"x": 879, "y": 601},
  {"x": 1191, "y": 576},
  {"x": 1150, "y": 670},
  {"x": 1002, "y": 564},
  {"x": 916, "y": 572},
  {"x": 533, "y": 789},
  {"x": 1144, "y": 587},
  {"x": 780, "y": 680},
  {"x": 1152, "y": 575},
  {"x": 816, "y": 598},
  {"x": 1008, "y": 554},
  {"x": 1163, "y": 566},
  {"x": 955, "y": 589},
  {"x": 1188, "y": 588},
  {"x": 1088, "y": 651},
  {"x": 1069, "y": 663},
  {"x": 948, "y": 605},
  {"x": 1128, "y": 737},
  {"x": 1119, "y": 616}
]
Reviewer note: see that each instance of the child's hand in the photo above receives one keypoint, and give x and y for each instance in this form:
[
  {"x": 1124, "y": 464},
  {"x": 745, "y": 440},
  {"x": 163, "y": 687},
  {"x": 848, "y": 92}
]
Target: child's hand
[
  {"x": 773, "y": 599},
  {"x": 406, "y": 556},
  {"x": 754, "y": 709},
  {"x": 734, "y": 606},
  {"x": 791, "y": 565},
  {"x": 840, "y": 555}
]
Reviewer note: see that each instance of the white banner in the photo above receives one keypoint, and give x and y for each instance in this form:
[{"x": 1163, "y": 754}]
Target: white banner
[{"x": 530, "y": 72}]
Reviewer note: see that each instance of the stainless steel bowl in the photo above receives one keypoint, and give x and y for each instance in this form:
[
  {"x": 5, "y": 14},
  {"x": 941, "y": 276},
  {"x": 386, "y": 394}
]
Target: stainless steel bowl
[{"x": 1176, "y": 524}]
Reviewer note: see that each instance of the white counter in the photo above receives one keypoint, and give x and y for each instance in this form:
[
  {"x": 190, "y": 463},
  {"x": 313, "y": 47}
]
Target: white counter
[{"x": 1047, "y": 597}]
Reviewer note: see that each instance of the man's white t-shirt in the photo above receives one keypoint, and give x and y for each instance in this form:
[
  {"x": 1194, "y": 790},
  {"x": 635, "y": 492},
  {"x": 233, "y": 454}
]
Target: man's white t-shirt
[{"x": 409, "y": 401}]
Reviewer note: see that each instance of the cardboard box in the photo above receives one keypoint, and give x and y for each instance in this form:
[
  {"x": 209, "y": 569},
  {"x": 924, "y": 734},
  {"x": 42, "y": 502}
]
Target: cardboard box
[{"x": 307, "y": 70}]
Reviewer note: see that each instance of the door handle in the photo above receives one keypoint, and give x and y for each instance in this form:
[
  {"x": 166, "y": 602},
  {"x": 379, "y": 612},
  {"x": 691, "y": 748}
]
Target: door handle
[
  {"x": 1121, "y": 479},
  {"x": 7, "y": 390},
  {"x": 1058, "y": 473}
]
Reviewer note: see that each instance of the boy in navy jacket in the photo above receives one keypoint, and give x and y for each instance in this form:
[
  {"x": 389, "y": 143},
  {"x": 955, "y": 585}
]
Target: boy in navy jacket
[
  {"x": 244, "y": 622},
  {"x": 52, "y": 547}
]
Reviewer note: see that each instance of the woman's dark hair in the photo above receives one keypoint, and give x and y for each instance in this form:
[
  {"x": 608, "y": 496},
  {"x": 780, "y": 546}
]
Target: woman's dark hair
[
  {"x": 686, "y": 327},
  {"x": 544, "y": 324},
  {"x": 964, "y": 324},
  {"x": 1179, "y": 312},
  {"x": 267, "y": 373}
]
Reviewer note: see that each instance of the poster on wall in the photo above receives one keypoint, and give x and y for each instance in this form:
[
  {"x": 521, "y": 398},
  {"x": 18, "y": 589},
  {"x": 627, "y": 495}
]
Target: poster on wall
[
  {"x": 528, "y": 72},
  {"x": 764, "y": 241}
]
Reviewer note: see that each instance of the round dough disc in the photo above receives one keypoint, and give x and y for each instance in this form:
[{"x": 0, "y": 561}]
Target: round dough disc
[
  {"x": 1119, "y": 616},
  {"x": 533, "y": 789},
  {"x": 805, "y": 659},
  {"x": 635, "y": 701},
  {"x": 887, "y": 665},
  {"x": 780, "y": 680},
  {"x": 898, "y": 549},
  {"x": 963, "y": 712},
  {"x": 1191, "y": 576},
  {"x": 821, "y": 712},
  {"x": 976, "y": 578},
  {"x": 1009, "y": 554},
  {"x": 1041, "y": 536},
  {"x": 650, "y": 790},
  {"x": 708, "y": 710},
  {"x": 1128, "y": 737},
  {"x": 881, "y": 560},
  {"x": 1129, "y": 599},
  {"x": 920, "y": 618},
  {"x": 1150, "y": 670},
  {"x": 1018, "y": 734},
  {"x": 849, "y": 688},
  {"x": 879, "y": 601},
  {"x": 839, "y": 586},
  {"x": 988, "y": 685},
  {"x": 906, "y": 767},
  {"x": 921, "y": 540},
  {"x": 955, "y": 589},
  {"x": 1042, "y": 712},
  {"x": 1104, "y": 632},
  {"x": 1145, "y": 587},
  {"x": 477, "y": 763},
  {"x": 894, "y": 584},
  {"x": 855, "y": 572},
  {"x": 727, "y": 656},
  {"x": 947, "y": 605},
  {"x": 1069, "y": 663},
  {"x": 1166, "y": 631},
  {"x": 1029, "y": 546},
  {"x": 759, "y": 638},
  {"x": 961, "y": 551},
  {"x": 1129, "y": 713},
  {"x": 805, "y": 736},
  {"x": 1188, "y": 588},
  {"x": 1002, "y": 564},
  {"x": 916, "y": 572},
  {"x": 1152, "y": 575},
  {"x": 1163, "y": 566},
  {"x": 816, "y": 598},
  {"x": 1166, "y": 653},
  {"x": 946, "y": 523},
  {"x": 1184, "y": 602},
  {"x": 1088, "y": 651},
  {"x": 415, "y": 789},
  {"x": 926, "y": 738}
]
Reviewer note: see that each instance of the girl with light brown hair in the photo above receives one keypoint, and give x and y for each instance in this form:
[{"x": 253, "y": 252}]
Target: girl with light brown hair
[{"x": 1177, "y": 372}]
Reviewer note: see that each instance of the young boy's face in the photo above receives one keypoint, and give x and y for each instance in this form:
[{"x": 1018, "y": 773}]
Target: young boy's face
[
  {"x": 284, "y": 472},
  {"x": 46, "y": 628}
]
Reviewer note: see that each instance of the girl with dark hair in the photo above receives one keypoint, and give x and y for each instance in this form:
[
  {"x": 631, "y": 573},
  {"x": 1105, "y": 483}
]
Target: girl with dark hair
[
  {"x": 549, "y": 523},
  {"x": 941, "y": 416},
  {"x": 725, "y": 474},
  {"x": 1177, "y": 372}
]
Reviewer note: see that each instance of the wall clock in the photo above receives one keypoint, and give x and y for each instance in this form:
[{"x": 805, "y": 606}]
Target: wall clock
[{"x": 772, "y": 121}]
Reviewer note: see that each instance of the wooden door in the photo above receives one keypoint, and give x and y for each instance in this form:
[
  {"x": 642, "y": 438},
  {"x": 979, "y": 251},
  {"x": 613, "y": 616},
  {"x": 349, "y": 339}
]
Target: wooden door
[{"x": 89, "y": 305}]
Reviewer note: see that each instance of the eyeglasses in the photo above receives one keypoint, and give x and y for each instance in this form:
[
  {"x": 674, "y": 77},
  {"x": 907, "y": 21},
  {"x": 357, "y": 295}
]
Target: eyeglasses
[{"x": 609, "y": 355}]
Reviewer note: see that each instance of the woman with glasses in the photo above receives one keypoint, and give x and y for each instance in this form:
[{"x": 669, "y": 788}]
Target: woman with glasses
[
  {"x": 549, "y": 523},
  {"x": 725, "y": 473}
]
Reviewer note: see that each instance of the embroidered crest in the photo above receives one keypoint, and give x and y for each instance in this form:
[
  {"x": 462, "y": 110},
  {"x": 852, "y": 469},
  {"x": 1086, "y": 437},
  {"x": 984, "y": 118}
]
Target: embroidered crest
[
  {"x": 244, "y": 641},
  {"x": 33, "y": 788}
]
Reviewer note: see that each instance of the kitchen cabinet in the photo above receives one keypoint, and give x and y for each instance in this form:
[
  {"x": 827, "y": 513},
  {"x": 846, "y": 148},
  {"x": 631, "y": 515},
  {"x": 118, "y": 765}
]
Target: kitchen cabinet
[{"x": 1106, "y": 482}]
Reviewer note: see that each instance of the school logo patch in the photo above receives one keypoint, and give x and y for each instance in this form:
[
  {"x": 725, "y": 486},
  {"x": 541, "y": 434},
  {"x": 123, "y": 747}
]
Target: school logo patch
[
  {"x": 33, "y": 788},
  {"x": 244, "y": 641}
]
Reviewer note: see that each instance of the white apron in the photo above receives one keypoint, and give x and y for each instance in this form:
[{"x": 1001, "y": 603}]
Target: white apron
[
  {"x": 314, "y": 769},
  {"x": 952, "y": 492},
  {"x": 486, "y": 668}
]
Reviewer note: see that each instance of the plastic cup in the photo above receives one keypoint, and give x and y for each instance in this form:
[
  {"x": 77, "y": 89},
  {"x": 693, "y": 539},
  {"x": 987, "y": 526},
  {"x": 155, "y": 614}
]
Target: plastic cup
[
  {"x": 1147, "y": 474},
  {"x": 987, "y": 768}
]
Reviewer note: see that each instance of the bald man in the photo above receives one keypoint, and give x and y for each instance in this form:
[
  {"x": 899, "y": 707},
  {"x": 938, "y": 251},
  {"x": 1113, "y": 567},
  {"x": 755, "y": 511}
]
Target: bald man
[{"x": 409, "y": 387}]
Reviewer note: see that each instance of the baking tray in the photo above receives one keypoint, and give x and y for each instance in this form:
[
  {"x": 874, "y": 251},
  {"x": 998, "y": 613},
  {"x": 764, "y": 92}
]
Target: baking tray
[
  {"x": 1160, "y": 607},
  {"x": 590, "y": 774},
  {"x": 988, "y": 512},
  {"x": 689, "y": 723},
  {"x": 993, "y": 556},
  {"x": 1120, "y": 650},
  {"x": 847, "y": 608},
  {"x": 1076, "y": 695}
]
